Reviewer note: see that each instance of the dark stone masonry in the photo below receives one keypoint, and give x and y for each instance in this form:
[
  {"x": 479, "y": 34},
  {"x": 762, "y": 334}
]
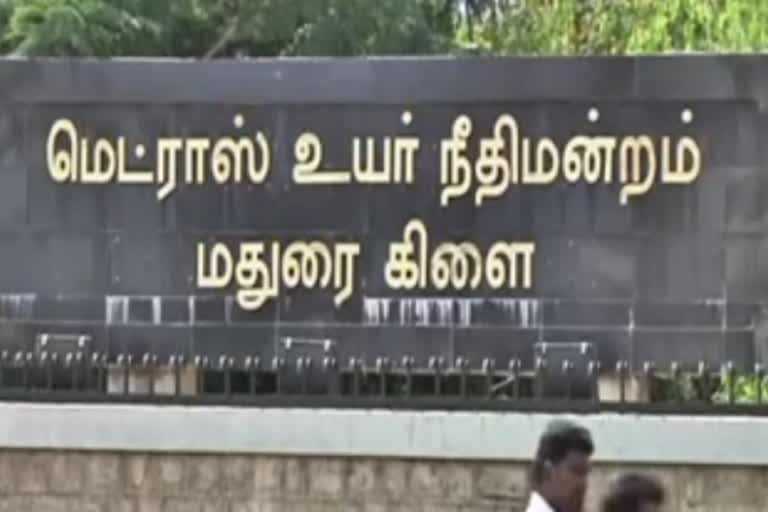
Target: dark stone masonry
[
  {"x": 647, "y": 236},
  {"x": 50, "y": 481}
]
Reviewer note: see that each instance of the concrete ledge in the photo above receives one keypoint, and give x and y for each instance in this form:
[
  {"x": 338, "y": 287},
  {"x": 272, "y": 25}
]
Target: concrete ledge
[{"x": 374, "y": 433}]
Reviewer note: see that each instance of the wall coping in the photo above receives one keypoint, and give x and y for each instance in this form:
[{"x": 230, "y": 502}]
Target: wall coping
[{"x": 375, "y": 433}]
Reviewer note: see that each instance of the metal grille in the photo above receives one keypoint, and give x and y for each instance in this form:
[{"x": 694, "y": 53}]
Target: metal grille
[{"x": 317, "y": 378}]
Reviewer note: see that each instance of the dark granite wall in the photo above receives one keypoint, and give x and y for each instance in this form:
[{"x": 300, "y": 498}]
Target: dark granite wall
[{"x": 677, "y": 274}]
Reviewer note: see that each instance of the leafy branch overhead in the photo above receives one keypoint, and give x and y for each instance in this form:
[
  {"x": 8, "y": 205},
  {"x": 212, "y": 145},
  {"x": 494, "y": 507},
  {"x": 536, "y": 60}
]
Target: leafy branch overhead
[
  {"x": 217, "y": 28},
  {"x": 228, "y": 28}
]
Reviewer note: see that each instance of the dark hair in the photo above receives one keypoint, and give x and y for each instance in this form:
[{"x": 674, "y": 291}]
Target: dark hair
[
  {"x": 558, "y": 440},
  {"x": 632, "y": 490}
]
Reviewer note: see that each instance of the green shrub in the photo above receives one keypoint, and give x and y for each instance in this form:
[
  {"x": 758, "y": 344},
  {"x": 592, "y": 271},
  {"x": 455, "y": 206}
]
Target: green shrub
[{"x": 744, "y": 388}]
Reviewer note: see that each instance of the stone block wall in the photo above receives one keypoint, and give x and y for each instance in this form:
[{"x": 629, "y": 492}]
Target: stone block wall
[{"x": 69, "y": 481}]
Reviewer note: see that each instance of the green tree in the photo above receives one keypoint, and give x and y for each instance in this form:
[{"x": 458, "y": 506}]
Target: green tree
[
  {"x": 211, "y": 28},
  {"x": 79, "y": 27},
  {"x": 225, "y": 28},
  {"x": 362, "y": 27},
  {"x": 589, "y": 27}
]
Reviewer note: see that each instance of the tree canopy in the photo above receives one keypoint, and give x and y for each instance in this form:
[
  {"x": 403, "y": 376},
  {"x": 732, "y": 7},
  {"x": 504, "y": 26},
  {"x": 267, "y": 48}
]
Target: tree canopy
[
  {"x": 256, "y": 28},
  {"x": 615, "y": 27}
]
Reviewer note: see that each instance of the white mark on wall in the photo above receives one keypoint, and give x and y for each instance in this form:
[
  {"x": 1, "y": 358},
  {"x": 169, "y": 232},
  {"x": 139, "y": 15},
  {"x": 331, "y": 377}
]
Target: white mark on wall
[
  {"x": 385, "y": 307},
  {"x": 17, "y": 305},
  {"x": 191, "y": 309},
  {"x": 117, "y": 309},
  {"x": 721, "y": 304},
  {"x": 465, "y": 310},
  {"x": 411, "y": 311},
  {"x": 446, "y": 311},
  {"x": 405, "y": 316},
  {"x": 523, "y": 312},
  {"x": 422, "y": 309},
  {"x": 376, "y": 311},
  {"x": 157, "y": 310},
  {"x": 229, "y": 304}
]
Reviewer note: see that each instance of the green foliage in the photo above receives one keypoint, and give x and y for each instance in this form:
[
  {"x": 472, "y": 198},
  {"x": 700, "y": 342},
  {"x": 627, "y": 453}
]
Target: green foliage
[
  {"x": 744, "y": 389},
  {"x": 199, "y": 28},
  {"x": 362, "y": 27},
  {"x": 588, "y": 27},
  {"x": 225, "y": 28},
  {"x": 80, "y": 27}
]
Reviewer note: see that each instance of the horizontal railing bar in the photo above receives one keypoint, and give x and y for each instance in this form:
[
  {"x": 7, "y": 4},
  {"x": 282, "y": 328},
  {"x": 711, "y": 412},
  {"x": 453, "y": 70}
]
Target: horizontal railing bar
[
  {"x": 413, "y": 403},
  {"x": 301, "y": 380}
]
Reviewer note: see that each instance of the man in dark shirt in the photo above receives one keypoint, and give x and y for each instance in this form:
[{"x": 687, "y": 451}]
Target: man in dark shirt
[
  {"x": 561, "y": 468},
  {"x": 634, "y": 492}
]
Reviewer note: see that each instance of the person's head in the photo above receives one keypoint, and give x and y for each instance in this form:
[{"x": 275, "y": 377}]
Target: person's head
[
  {"x": 634, "y": 492},
  {"x": 561, "y": 465}
]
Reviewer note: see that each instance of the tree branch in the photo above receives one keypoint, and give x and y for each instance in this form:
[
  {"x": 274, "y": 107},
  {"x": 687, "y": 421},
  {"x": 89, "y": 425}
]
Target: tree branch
[{"x": 223, "y": 40}]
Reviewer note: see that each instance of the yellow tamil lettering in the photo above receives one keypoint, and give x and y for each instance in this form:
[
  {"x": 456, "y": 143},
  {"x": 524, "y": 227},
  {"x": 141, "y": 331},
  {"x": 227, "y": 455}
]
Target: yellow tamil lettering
[
  {"x": 455, "y": 168},
  {"x": 440, "y": 265},
  {"x": 303, "y": 262},
  {"x": 104, "y": 165},
  {"x": 195, "y": 150},
  {"x": 405, "y": 151},
  {"x": 494, "y": 170},
  {"x": 589, "y": 158},
  {"x": 230, "y": 156},
  {"x": 504, "y": 268},
  {"x": 132, "y": 176},
  {"x": 687, "y": 165},
  {"x": 344, "y": 271},
  {"x": 63, "y": 163},
  {"x": 290, "y": 264},
  {"x": 472, "y": 259},
  {"x": 547, "y": 162},
  {"x": 319, "y": 268},
  {"x": 258, "y": 173},
  {"x": 366, "y": 172},
  {"x": 631, "y": 152},
  {"x": 457, "y": 266},
  {"x": 257, "y": 281},
  {"x": 308, "y": 151},
  {"x": 406, "y": 266},
  {"x": 167, "y": 165},
  {"x": 215, "y": 270},
  {"x": 398, "y": 157}
]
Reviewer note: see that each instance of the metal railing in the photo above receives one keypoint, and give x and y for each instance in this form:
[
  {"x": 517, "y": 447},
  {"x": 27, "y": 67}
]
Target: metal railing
[{"x": 306, "y": 381}]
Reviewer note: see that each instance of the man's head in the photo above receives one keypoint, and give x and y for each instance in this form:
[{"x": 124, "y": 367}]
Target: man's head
[
  {"x": 633, "y": 492},
  {"x": 561, "y": 465}
]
